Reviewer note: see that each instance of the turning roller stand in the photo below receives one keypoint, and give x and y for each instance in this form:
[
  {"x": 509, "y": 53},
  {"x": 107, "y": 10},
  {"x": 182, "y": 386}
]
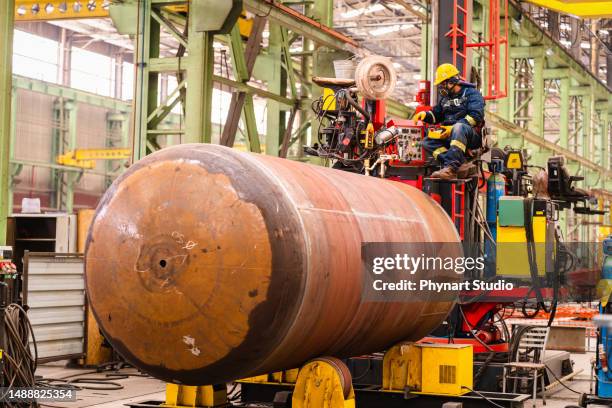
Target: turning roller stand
[
  {"x": 324, "y": 382},
  {"x": 186, "y": 396},
  {"x": 208, "y": 396}
]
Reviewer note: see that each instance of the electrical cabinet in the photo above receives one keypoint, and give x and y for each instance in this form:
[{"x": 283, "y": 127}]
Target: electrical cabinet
[{"x": 53, "y": 232}]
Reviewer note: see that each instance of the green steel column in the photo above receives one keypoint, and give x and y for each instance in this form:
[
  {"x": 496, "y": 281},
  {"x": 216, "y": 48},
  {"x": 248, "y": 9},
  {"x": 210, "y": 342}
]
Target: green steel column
[
  {"x": 564, "y": 112},
  {"x": 538, "y": 96},
  {"x": 306, "y": 115},
  {"x": 587, "y": 127},
  {"x": 322, "y": 57},
  {"x": 56, "y": 149},
  {"x": 12, "y": 147},
  {"x": 273, "y": 125},
  {"x": 242, "y": 74},
  {"x": 145, "y": 98},
  {"x": 605, "y": 140},
  {"x": 323, "y": 12},
  {"x": 596, "y": 131},
  {"x": 6, "y": 71},
  {"x": 426, "y": 48},
  {"x": 71, "y": 176},
  {"x": 507, "y": 111},
  {"x": 198, "y": 105},
  {"x": 600, "y": 141}
]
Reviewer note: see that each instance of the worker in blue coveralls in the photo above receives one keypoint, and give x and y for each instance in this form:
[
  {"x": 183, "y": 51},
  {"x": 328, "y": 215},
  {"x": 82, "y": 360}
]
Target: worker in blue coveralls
[{"x": 460, "y": 112}]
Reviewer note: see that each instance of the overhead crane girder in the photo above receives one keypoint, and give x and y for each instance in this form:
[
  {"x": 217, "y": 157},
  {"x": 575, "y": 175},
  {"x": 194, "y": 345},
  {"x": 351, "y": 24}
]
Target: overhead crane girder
[{"x": 578, "y": 8}]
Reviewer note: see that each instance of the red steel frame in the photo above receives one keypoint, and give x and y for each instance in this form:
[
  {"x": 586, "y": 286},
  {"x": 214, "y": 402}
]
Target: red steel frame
[
  {"x": 496, "y": 41},
  {"x": 458, "y": 203}
]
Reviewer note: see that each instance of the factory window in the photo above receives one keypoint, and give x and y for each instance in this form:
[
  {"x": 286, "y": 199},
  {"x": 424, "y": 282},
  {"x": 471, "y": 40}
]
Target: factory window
[
  {"x": 91, "y": 72},
  {"x": 171, "y": 86},
  {"x": 127, "y": 85},
  {"x": 35, "y": 57}
]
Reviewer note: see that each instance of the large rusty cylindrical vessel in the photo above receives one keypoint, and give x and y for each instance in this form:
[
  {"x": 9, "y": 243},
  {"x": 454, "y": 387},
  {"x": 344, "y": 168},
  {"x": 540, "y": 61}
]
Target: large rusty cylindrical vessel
[{"x": 205, "y": 264}]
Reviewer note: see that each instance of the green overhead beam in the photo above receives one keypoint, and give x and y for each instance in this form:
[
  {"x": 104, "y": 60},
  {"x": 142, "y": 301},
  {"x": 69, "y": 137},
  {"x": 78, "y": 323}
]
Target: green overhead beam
[
  {"x": 604, "y": 105},
  {"x": 292, "y": 20},
  {"x": 48, "y": 88},
  {"x": 531, "y": 137},
  {"x": 580, "y": 91},
  {"x": 555, "y": 73},
  {"x": 242, "y": 87},
  {"x": 47, "y": 165},
  {"x": 534, "y": 51},
  {"x": 558, "y": 53}
]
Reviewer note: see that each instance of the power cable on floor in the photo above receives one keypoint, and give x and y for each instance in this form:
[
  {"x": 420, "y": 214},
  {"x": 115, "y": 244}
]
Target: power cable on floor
[
  {"x": 490, "y": 401},
  {"x": 560, "y": 381},
  {"x": 19, "y": 361}
]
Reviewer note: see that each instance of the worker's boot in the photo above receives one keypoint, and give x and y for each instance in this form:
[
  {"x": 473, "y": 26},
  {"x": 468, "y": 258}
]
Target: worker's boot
[
  {"x": 447, "y": 173},
  {"x": 467, "y": 170}
]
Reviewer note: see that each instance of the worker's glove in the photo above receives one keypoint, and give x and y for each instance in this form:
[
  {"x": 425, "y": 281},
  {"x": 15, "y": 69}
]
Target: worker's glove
[
  {"x": 446, "y": 131},
  {"x": 419, "y": 116},
  {"x": 443, "y": 132}
]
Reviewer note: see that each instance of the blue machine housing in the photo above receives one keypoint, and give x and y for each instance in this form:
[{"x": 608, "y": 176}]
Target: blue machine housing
[
  {"x": 604, "y": 379},
  {"x": 496, "y": 187}
]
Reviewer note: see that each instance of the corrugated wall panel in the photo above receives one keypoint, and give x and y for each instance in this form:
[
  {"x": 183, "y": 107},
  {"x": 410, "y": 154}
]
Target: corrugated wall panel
[
  {"x": 33, "y": 136},
  {"x": 33, "y": 142},
  {"x": 91, "y": 133}
]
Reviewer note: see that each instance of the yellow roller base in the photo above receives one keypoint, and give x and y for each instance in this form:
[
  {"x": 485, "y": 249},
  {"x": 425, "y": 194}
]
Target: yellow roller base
[
  {"x": 204, "y": 396},
  {"x": 323, "y": 383}
]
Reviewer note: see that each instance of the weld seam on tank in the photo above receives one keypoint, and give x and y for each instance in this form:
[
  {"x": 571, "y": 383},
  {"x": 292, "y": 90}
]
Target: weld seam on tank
[{"x": 306, "y": 278}]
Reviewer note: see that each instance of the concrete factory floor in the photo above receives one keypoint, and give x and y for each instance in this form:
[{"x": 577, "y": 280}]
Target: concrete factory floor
[{"x": 137, "y": 388}]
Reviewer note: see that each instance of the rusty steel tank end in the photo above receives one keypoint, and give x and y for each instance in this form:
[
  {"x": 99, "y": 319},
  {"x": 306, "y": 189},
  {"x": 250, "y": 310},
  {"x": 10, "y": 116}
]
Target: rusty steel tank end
[{"x": 205, "y": 265}]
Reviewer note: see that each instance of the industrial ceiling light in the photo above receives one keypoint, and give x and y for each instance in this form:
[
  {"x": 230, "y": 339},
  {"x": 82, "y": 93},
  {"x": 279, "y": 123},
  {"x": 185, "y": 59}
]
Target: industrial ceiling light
[
  {"x": 390, "y": 29},
  {"x": 365, "y": 10},
  {"x": 77, "y": 6},
  {"x": 49, "y": 8},
  {"x": 106, "y": 4},
  {"x": 21, "y": 10},
  {"x": 63, "y": 7},
  {"x": 91, "y": 5},
  {"x": 35, "y": 8}
]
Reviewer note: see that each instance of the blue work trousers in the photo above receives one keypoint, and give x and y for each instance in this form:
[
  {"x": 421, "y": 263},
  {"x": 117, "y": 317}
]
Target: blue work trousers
[{"x": 450, "y": 152}]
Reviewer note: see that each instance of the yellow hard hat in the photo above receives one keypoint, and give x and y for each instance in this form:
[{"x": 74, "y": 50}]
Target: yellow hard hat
[{"x": 444, "y": 72}]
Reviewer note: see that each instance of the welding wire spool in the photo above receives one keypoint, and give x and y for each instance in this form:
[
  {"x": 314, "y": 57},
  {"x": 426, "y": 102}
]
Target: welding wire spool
[
  {"x": 375, "y": 77},
  {"x": 343, "y": 373}
]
